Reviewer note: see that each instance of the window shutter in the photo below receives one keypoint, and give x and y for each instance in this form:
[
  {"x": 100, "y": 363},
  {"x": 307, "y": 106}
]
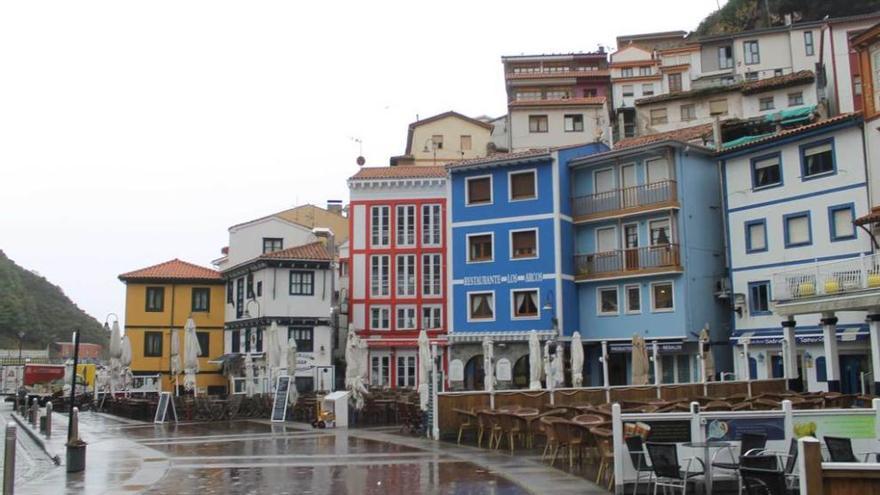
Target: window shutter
[{"x": 798, "y": 230}]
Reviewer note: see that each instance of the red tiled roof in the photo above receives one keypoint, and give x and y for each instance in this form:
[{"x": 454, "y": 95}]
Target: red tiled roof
[
  {"x": 870, "y": 218},
  {"x": 684, "y": 135},
  {"x": 795, "y": 78},
  {"x": 557, "y": 75},
  {"x": 797, "y": 130},
  {"x": 173, "y": 270},
  {"x": 591, "y": 100},
  {"x": 400, "y": 172},
  {"x": 500, "y": 157},
  {"x": 313, "y": 251}
]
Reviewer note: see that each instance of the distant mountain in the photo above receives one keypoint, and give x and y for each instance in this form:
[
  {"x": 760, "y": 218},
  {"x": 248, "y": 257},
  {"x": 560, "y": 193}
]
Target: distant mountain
[
  {"x": 741, "y": 15},
  {"x": 30, "y": 303}
]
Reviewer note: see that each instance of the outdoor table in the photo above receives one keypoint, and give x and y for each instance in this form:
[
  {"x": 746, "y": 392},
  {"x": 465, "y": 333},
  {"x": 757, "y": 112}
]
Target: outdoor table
[
  {"x": 707, "y": 460},
  {"x": 589, "y": 420}
]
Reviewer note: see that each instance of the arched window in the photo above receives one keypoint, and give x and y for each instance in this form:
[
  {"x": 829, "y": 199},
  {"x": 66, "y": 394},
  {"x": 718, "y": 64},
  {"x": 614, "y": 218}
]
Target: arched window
[{"x": 521, "y": 372}]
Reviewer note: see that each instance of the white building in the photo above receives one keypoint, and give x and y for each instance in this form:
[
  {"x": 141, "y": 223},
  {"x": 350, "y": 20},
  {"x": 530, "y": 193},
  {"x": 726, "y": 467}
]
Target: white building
[
  {"x": 842, "y": 73},
  {"x": 790, "y": 199}
]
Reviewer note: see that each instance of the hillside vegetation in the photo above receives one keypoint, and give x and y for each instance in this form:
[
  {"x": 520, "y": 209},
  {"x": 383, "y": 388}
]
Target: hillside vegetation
[
  {"x": 740, "y": 15},
  {"x": 30, "y": 303}
]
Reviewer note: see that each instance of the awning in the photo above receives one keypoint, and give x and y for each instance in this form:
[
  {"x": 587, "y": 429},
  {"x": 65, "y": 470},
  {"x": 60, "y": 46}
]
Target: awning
[
  {"x": 806, "y": 337},
  {"x": 745, "y": 140},
  {"x": 498, "y": 336},
  {"x": 792, "y": 115},
  {"x": 662, "y": 347}
]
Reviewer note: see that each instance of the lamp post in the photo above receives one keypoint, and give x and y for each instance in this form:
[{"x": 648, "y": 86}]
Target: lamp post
[{"x": 21, "y": 335}]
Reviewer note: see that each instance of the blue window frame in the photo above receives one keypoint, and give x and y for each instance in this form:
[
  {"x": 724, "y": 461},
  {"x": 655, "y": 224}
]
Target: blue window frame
[
  {"x": 798, "y": 229},
  {"x": 840, "y": 218},
  {"x": 817, "y": 159},
  {"x": 756, "y": 236},
  {"x": 767, "y": 171},
  {"x": 759, "y": 298}
]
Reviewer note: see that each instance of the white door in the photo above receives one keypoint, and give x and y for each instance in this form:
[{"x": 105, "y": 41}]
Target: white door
[{"x": 658, "y": 170}]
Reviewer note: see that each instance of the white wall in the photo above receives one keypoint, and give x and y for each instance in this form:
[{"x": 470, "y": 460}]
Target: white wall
[
  {"x": 774, "y": 50},
  {"x": 246, "y": 241},
  {"x": 595, "y": 125},
  {"x": 751, "y": 104},
  {"x": 673, "y": 112}
]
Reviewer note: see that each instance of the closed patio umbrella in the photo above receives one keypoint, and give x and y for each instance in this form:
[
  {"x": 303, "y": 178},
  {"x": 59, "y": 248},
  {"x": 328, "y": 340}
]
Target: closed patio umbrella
[
  {"x": 191, "y": 351},
  {"x": 424, "y": 368},
  {"x": 488, "y": 365},
  {"x": 175, "y": 357},
  {"x": 115, "y": 355},
  {"x": 708, "y": 358},
  {"x": 290, "y": 363},
  {"x": 577, "y": 360},
  {"x": 639, "y": 361},
  {"x": 272, "y": 345},
  {"x": 355, "y": 367},
  {"x": 534, "y": 361},
  {"x": 558, "y": 366},
  {"x": 248, "y": 375}
]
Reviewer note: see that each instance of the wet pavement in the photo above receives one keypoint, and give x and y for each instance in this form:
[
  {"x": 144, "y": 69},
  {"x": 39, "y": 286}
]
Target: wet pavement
[{"x": 256, "y": 456}]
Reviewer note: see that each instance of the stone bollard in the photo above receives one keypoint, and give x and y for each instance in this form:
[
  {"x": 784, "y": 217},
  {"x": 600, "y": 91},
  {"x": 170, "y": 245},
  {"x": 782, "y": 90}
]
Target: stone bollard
[
  {"x": 9, "y": 461},
  {"x": 35, "y": 413},
  {"x": 49, "y": 420}
]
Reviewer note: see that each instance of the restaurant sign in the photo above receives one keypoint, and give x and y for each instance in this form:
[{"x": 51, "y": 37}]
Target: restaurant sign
[
  {"x": 508, "y": 278},
  {"x": 663, "y": 348}
]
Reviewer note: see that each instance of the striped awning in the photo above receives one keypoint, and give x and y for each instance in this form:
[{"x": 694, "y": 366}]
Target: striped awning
[{"x": 498, "y": 336}]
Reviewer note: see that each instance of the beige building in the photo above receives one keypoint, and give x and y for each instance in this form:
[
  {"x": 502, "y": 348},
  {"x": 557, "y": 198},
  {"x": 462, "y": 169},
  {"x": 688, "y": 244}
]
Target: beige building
[{"x": 444, "y": 138}]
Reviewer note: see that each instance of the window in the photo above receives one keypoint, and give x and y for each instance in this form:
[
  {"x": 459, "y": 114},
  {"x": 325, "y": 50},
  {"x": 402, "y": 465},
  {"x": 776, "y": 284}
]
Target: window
[
  {"x": 437, "y": 141},
  {"x": 250, "y": 285},
  {"x": 688, "y": 112},
  {"x": 432, "y": 316},
  {"x": 343, "y": 268},
  {"x": 380, "y": 371},
  {"x": 379, "y": 225},
  {"x": 406, "y": 275},
  {"x": 795, "y": 99},
  {"x": 481, "y": 305},
  {"x": 538, "y": 123},
  {"x": 379, "y": 275},
  {"x": 725, "y": 57},
  {"x": 523, "y": 244},
  {"x": 751, "y": 76},
  {"x": 431, "y": 225},
  {"x": 406, "y": 225},
  {"x": 465, "y": 142},
  {"x": 626, "y": 72},
  {"x": 272, "y": 244},
  {"x": 152, "y": 344},
  {"x": 857, "y": 84},
  {"x": 751, "y": 54},
  {"x": 766, "y": 171},
  {"x": 380, "y": 318},
  {"x": 406, "y": 318},
  {"x": 479, "y": 247},
  {"x": 522, "y": 185},
  {"x": 667, "y": 368},
  {"x": 627, "y": 90},
  {"x": 304, "y": 337},
  {"x": 239, "y": 297},
  {"x": 259, "y": 288},
  {"x": 661, "y": 296},
  {"x": 574, "y": 123},
  {"x": 645, "y": 70},
  {"x": 406, "y": 371},
  {"x": 683, "y": 367},
  {"x": 647, "y": 89},
  {"x": 660, "y": 232},
  {"x": 674, "y": 82},
  {"x": 633, "y": 299},
  {"x": 525, "y": 303},
  {"x": 155, "y": 299},
  {"x": 765, "y": 103},
  {"x": 607, "y": 300},
  {"x": 756, "y": 236},
  {"x": 236, "y": 341},
  {"x": 302, "y": 283},
  {"x": 809, "y": 47},
  {"x": 718, "y": 107},
  {"x": 658, "y": 116},
  {"x": 840, "y": 219},
  {"x": 204, "y": 339},
  {"x": 590, "y": 92},
  {"x": 479, "y": 190},
  {"x": 817, "y": 159},
  {"x": 230, "y": 298},
  {"x": 201, "y": 299},
  {"x": 797, "y": 229},
  {"x": 759, "y": 298},
  {"x": 557, "y": 94},
  {"x": 431, "y": 275}
]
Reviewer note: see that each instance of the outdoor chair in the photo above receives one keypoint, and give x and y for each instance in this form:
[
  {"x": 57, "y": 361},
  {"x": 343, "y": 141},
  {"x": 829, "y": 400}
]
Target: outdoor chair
[
  {"x": 234, "y": 405},
  {"x": 467, "y": 420},
  {"x": 750, "y": 444},
  {"x": 552, "y": 445},
  {"x": 536, "y": 427},
  {"x": 667, "y": 470},
  {"x": 639, "y": 459},
  {"x": 759, "y": 481},
  {"x": 605, "y": 443},
  {"x": 488, "y": 424},
  {"x": 569, "y": 435},
  {"x": 840, "y": 450}
]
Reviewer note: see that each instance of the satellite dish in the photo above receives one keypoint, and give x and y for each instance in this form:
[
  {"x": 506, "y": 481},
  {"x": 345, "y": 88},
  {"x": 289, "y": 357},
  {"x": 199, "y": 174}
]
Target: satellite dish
[{"x": 361, "y": 161}]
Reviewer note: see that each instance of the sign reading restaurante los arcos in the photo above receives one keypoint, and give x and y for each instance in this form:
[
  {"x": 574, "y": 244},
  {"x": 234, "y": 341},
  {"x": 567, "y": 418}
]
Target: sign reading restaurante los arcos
[{"x": 511, "y": 278}]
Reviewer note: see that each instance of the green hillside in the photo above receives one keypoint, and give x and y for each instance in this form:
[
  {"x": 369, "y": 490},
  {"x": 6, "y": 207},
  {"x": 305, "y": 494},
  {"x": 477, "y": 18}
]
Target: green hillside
[
  {"x": 740, "y": 15},
  {"x": 31, "y": 303}
]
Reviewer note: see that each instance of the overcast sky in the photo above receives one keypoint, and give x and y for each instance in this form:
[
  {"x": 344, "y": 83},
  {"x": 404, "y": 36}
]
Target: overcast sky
[{"x": 135, "y": 132}]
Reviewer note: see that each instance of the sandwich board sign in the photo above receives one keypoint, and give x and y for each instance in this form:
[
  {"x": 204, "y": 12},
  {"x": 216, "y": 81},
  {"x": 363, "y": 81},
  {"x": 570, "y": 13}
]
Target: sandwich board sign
[
  {"x": 162, "y": 408},
  {"x": 279, "y": 407}
]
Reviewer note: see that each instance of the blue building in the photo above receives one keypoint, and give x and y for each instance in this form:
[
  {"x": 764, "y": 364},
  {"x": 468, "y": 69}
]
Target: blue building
[
  {"x": 512, "y": 256},
  {"x": 649, "y": 239}
]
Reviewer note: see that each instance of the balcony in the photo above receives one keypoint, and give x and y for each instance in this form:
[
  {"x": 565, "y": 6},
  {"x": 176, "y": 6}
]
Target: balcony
[
  {"x": 627, "y": 262},
  {"x": 847, "y": 285},
  {"x": 626, "y": 201}
]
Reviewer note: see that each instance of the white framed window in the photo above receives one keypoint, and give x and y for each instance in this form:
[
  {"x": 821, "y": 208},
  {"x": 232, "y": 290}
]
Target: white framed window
[
  {"x": 478, "y": 190},
  {"x": 432, "y": 275},
  {"x": 480, "y": 247},
  {"x": 406, "y": 225},
  {"x": 751, "y": 52},
  {"x": 661, "y": 233},
  {"x": 627, "y": 89},
  {"x": 481, "y": 306},
  {"x": 406, "y": 370},
  {"x": 432, "y": 225},
  {"x": 406, "y": 275},
  {"x": 688, "y": 112},
  {"x": 379, "y": 225},
  {"x": 648, "y": 89},
  {"x": 380, "y": 370},
  {"x": 840, "y": 218},
  {"x": 607, "y": 302},
  {"x": 573, "y": 122},
  {"x": 522, "y": 185},
  {"x": 380, "y": 317},
  {"x": 662, "y": 297},
  {"x": 796, "y": 98},
  {"x": 633, "y": 295},
  {"x": 526, "y": 304},
  {"x": 658, "y": 116},
  {"x": 432, "y": 316},
  {"x": 766, "y": 103},
  {"x": 538, "y": 123},
  {"x": 406, "y": 318},
  {"x": 379, "y": 272},
  {"x": 523, "y": 244},
  {"x": 809, "y": 46}
]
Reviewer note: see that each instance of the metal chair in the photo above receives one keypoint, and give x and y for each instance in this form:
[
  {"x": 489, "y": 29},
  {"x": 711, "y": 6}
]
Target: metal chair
[
  {"x": 840, "y": 450},
  {"x": 667, "y": 470},
  {"x": 759, "y": 481},
  {"x": 639, "y": 460}
]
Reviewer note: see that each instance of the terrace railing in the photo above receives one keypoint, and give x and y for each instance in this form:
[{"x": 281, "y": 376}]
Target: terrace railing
[
  {"x": 621, "y": 200},
  {"x": 828, "y": 278},
  {"x": 650, "y": 258}
]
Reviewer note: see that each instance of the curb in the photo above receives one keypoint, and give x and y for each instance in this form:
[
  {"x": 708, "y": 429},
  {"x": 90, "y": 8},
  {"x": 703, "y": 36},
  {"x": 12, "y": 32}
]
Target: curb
[{"x": 36, "y": 438}]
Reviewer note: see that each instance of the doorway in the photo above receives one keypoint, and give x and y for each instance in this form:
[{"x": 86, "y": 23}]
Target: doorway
[
  {"x": 851, "y": 368},
  {"x": 617, "y": 369},
  {"x": 631, "y": 244},
  {"x": 474, "y": 373}
]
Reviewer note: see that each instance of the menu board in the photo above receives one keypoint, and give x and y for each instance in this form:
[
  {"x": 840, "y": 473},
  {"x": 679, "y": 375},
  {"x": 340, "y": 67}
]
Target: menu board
[
  {"x": 279, "y": 407},
  {"x": 674, "y": 431},
  {"x": 162, "y": 408}
]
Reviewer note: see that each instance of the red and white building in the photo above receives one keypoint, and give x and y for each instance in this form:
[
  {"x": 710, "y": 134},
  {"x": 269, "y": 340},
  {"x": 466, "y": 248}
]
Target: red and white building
[{"x": 397, "y": 256}]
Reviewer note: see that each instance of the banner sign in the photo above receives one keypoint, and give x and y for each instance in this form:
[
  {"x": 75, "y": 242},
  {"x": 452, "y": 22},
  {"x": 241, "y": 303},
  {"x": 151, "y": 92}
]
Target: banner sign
[
  {"x": 675, "y": 431},
  {"x": 733, "y": 428},
  {"x": 510, "y": 278},
  {"x": 838, "y": 425},
  {"x": 665, "y": 347}
]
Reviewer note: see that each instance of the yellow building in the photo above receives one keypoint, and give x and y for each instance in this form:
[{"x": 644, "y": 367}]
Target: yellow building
[
  {"x": 444, "y": 138},
  {"x": 161, "y": 297}
]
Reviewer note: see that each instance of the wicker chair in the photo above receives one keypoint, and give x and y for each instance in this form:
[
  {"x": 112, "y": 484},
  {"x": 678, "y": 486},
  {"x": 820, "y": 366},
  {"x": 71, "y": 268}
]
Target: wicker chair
[
  {"x": 467, "y": 420},
  {"x": 552, "y": 445},
  {"x": 605, "y": 443},
  {"x": 488, "y": 424}
]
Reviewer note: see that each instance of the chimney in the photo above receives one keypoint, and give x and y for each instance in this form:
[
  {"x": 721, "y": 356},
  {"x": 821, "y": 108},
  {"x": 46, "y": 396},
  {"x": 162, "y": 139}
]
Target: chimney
[{"x": 334, "y": 206}]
